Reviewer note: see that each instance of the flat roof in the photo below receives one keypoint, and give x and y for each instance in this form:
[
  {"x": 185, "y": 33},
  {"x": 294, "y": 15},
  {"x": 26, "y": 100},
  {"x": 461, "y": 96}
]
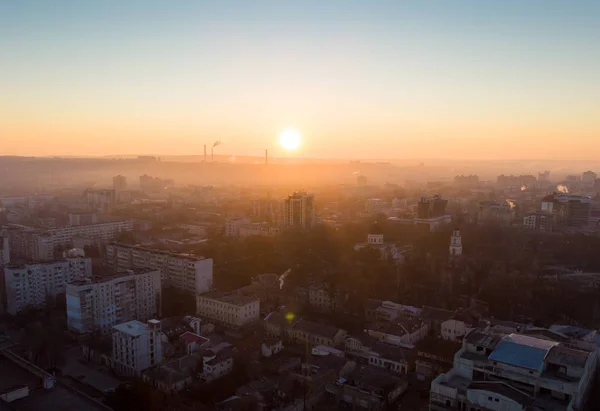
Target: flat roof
[
  {"x": 134, "y": 328},
  {"x": 40, "y": 399},
  {"x": 190, "y": 257},
  {"x": 522, "y": 351},
  {"x": 96, "y": 279},
  {"x": 231, "y": 298}
]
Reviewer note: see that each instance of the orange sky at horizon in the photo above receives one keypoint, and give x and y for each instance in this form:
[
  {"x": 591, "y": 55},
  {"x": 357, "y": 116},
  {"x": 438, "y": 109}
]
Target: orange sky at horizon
[{"x": 360, "y": 80}]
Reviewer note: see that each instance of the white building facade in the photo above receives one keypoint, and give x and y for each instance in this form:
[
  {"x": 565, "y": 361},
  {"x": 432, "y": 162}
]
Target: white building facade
[
  {"x": 455, "y": 244},
  {"x": 136, "y": 347},
  {"x": 185, "y": 272},
  {"x": 514, "y": 372},
  {"x": 230, "y": 310},
  {"x": 103, "y": 302},
  {"x": 30, "y": 285}
]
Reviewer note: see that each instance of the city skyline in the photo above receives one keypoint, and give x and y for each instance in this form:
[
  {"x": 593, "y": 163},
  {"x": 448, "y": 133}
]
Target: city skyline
[{"x": 384, "y": 80}]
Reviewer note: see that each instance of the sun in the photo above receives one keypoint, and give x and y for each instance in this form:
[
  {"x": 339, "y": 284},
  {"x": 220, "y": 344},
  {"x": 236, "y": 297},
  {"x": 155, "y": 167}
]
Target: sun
[{"x": 290, "y": 139}]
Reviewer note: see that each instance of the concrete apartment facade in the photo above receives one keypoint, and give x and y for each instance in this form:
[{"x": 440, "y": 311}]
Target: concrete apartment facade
[
  {"x": 39, "y": 245},
  {"x": 30, "y": 285},
  {"x": 184, "y": 272},
  {"x": 102, "y": 302},
  {"x": 136, "y": 347}
]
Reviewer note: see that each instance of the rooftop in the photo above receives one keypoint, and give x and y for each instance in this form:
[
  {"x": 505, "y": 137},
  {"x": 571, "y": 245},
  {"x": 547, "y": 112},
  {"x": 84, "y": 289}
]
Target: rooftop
[
  {"x": 561, "y": 355},
  {"x": 313, "y": 328},
  {"x": 40, "y": 399},
  {"x": 190, "y": 257},
  {"x": 522, "y": 351},
  {"x": 189, "y": 337},
  {"x": 438, "y": 314},
  {"x": 97, "y": 279},
  {"x": 372, "y": 379},
  {"x": 134, "y": 328},
  {"x": 235, "y": 298}
]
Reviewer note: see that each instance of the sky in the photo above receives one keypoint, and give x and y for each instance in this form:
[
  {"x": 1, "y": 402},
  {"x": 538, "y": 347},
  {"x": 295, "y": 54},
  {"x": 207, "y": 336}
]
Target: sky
[{"x": 359, "y": 79}]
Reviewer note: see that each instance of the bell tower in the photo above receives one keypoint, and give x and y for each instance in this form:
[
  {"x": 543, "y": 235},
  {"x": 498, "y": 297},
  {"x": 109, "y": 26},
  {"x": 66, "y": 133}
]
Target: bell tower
[{"x": 455, "y": 243}]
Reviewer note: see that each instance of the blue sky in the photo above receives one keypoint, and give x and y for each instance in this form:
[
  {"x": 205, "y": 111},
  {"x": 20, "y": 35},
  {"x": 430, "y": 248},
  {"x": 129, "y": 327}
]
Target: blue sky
[{"x": 164, "y": 76}]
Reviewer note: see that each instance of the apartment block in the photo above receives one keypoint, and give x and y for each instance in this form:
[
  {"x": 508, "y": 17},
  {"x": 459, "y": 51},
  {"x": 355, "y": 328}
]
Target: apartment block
[
  {"x": 30, "y": 285},
  {"x": 136, "y": 347},
  {"x": 299, "y": 211},
  {"x": 231, "y": 310},
  {"x": 185, "y": 272},
  {"x": 102, "y": 302},
  {"x": 34, "y": 244},
  {"x": 4, "y": 250}
]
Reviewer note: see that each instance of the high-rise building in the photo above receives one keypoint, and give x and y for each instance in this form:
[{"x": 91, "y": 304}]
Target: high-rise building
[
  {"x": 4, "y": 250},
  {"x": 495, "y": 213},
  {"x": 102, "y": 200},
  {"x": 299, "y": 211},
  {"x": 431, "y": 207},
  {"x": 30, "y": 285},
  {"x": 29, "y": 244},
  {"x": 589, "y": 178},
  {"x": 100, "y": 303},
  {"x": 571, "y": 212},
  {"x": 119, "y": 183},
  {"x": 189, "y": 273},
  {"x": 544, "y": 176},
  {"x": 136, "y": 347},
  {"x": 82, "y": 218}
]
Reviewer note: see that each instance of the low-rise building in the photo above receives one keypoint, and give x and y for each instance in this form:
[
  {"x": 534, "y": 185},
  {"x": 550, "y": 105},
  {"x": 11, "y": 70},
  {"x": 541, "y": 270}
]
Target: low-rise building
[
  {"x": 297, "y": 330},
  {"x": 136, "y": 347},
  {"x": 103, "y": 302},
  {"x": 400, "y": 333},
  {"x": 434, "y": 317},
  {"x": 368, "y": 388},
  {"x": 369, "y": 350},
  {"x": 386, "y": 250},
  {"x": 258, "y": 229},
  {"x": 323, "y": 299},
  {"x": 32, "y": 285},
  {"x": 459, "y": 325},
  {"x": 271, "y": 346},
  {"x": 317, "y": 334},
  {"x": 217, "y": 364},
  {"x": 232, "y": 310},
  {"x": 514, "y": 372}
]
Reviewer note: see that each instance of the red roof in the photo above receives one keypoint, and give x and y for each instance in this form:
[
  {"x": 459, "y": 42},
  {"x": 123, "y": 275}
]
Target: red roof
[{"x": 189, "y": 337}]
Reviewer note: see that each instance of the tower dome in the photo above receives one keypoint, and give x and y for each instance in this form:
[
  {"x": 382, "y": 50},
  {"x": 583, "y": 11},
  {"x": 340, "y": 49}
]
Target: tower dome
[
  {"x": 376, "y": 228},
  {"x": 375, "y": 234}
]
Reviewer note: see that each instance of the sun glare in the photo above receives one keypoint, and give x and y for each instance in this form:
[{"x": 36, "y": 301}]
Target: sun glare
[{"x": 290, "y": 139}]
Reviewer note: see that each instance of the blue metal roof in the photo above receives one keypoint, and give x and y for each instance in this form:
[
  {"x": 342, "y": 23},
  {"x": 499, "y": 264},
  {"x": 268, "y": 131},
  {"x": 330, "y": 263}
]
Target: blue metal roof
[{"x": 522, "y": 351}]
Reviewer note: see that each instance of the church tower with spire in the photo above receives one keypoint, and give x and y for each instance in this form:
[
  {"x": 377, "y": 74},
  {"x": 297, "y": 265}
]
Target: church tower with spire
[{"x": 455, "y": 243}]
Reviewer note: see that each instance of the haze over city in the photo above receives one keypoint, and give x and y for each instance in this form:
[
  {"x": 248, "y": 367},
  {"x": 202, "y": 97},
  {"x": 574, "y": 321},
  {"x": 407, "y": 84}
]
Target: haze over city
[
  {"x": 386, "y": 79},
  {"x": 304, "y": 205}
]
